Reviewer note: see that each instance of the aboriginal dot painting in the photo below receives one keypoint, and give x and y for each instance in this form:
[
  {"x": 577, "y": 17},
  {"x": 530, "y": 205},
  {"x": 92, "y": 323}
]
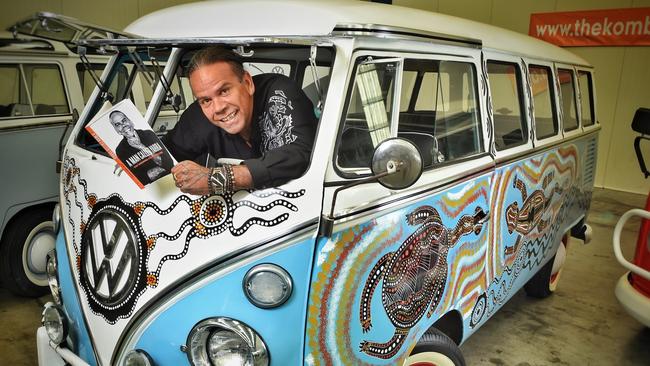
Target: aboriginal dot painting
[
  {"x": 113, "y": 250},
  {"x": 378, "y": 286}
]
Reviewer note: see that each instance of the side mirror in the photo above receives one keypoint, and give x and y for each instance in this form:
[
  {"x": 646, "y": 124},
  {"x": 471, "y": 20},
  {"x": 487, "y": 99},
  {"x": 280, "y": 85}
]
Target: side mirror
[{"x": 396, "y": 164}]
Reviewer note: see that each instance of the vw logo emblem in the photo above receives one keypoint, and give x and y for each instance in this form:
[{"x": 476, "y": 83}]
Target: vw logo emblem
[
  {"x": 110, "y": 257},
  {"x": 114, "y": 254}
]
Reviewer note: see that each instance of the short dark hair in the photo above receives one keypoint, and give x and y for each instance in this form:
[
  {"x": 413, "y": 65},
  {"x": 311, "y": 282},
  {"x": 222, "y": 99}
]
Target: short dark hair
[{"x": 213, "y": 54}]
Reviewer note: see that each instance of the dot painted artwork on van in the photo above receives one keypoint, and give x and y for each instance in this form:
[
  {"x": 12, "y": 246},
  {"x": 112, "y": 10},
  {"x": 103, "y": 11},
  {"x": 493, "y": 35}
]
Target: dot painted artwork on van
[
  {"x": 379, "y": 285},
  {"x": 113, "y": 249}
]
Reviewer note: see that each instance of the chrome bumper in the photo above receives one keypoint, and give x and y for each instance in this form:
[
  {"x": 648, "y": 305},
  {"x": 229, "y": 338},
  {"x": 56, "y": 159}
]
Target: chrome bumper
[{"x": 52, "y": 355}]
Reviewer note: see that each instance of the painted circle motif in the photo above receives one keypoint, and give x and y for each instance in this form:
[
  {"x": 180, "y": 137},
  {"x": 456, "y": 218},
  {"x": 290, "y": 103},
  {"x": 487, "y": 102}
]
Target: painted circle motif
[
  {"x": 479, "y": 310},
  {"x": 213, "y": 212},
  {"x": 113, "y": 259}
]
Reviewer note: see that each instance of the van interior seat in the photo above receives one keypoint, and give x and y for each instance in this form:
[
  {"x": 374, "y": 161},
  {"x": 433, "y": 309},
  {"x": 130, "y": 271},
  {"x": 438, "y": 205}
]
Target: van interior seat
[
  {"x": 44, "y": 109},
  {"x": 21, "y": 109},
  {"x": 356, "y": 147}
]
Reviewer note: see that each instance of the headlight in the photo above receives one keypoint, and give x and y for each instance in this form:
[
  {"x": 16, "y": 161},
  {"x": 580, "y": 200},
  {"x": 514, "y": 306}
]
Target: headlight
[
  {"x": 267, "y": 286},
  {"x": 51, "y": 269},
  {"x": 224, "y": 341},
  {"x": 55, "y": 323},
  {"x": 56, "y": 217},
  {"x": 137, "y": 357}
]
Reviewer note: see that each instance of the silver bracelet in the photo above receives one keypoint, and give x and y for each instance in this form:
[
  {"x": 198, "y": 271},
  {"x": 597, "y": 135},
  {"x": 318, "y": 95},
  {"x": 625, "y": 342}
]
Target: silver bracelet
[
  {"x": 221, "y": 180},
  {"x": 217, "y": 181}
]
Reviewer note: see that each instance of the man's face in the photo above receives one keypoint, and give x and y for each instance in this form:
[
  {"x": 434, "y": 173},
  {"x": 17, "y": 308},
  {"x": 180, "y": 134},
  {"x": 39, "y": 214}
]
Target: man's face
[
  {"x": 225, "y": 100},
  {"x": 122, "y": 124}
]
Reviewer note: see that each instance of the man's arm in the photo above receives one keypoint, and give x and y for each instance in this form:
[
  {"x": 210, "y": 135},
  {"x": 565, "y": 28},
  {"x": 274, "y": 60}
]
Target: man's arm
[{"x": 192, "y": 178}]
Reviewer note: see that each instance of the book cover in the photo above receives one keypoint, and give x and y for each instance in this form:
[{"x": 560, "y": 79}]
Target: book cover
[{"x": 130, "y": 141}]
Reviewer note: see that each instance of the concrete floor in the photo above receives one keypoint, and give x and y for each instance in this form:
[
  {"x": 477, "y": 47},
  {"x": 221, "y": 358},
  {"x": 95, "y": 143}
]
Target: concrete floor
[{"x": 581, "y": 324}]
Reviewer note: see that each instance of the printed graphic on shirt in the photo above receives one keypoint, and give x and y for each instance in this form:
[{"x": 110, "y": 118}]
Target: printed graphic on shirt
[{"x": 276, "y": 123}]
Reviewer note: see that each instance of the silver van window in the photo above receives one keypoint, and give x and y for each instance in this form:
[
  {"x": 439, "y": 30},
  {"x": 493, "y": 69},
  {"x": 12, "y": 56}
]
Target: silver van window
[{"x": 32, "y": 90}]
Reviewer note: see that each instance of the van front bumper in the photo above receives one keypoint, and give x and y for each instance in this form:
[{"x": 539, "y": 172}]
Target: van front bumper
[{"x": 52, "y": 355}]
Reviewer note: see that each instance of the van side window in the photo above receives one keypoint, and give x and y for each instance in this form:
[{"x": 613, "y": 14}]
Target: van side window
[
  {"x": 438, "y": 109},
  {"x": 11, "y": 87},
  {"x": 586, "y": 98},
  {"x": 541, "y": 83},
  {"x": 568, "y": 91},
  {"x": 368, "y": 116},
  {"x": 507, "y": 104},
  {"x": 32, "y": 90}
]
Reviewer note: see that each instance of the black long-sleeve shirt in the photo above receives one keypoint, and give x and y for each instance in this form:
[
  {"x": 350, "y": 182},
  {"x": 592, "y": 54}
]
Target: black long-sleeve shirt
[{"x": 283, "y": 129}]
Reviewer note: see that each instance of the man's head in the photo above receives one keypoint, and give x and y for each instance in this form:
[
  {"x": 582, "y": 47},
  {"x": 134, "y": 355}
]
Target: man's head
[
  {"x": 223, "y": 89},
  {"x": 122, "y": 124}
]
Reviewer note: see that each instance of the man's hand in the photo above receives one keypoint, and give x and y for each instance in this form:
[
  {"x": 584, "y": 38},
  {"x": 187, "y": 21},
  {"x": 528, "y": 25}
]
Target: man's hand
[{"x": 191, "y": 177}]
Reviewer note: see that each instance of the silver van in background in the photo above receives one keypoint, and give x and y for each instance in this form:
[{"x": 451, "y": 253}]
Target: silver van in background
[{"x": 44, "y": 83}]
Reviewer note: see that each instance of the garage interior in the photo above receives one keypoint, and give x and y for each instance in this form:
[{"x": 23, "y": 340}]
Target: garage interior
[{"x": 582, "y": 323}]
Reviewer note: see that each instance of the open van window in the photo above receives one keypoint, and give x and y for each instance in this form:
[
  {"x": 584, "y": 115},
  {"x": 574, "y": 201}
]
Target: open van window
[
  {"x": 116, "y": 87},
  {"x": 145, "y": 67}
]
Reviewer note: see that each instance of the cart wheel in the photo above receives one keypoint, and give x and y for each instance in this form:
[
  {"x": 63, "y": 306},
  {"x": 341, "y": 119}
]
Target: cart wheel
[
  {"x": 23, "y": 250},
  {"x": 545, "y": 281},
  {"x": 435, "y": 349}
]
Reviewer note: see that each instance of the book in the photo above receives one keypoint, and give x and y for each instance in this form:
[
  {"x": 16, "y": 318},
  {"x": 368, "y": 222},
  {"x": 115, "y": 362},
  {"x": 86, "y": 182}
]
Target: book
[{"x": 122, "y": 131}]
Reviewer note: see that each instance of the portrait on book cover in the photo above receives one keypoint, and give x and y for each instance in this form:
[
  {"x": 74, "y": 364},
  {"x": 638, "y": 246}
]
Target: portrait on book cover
[{"x": 125, "y": 135}]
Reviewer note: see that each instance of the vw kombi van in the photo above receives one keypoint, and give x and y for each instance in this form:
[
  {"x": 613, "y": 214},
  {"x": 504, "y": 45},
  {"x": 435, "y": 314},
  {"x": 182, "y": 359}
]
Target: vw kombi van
[{"x": 452, "y": 163}]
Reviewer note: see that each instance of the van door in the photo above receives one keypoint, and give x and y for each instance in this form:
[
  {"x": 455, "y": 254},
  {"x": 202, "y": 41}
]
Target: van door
[{"x": 399, "y": 260}]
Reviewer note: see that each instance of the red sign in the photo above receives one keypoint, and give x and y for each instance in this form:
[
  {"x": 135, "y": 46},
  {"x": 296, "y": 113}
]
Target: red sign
[{"x": 611, "y": 27}]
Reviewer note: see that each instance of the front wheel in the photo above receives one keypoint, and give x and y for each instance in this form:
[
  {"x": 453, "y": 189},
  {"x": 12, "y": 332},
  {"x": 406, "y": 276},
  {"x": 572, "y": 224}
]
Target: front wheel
[
  {"x": 23, "y": 252},
  {"x": 545, "y": 281},
  {"x": 435, "y": 349}
]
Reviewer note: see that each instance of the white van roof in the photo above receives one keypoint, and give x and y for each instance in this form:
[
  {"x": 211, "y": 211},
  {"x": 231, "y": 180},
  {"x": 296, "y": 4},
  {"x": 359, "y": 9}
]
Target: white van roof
[{"x": 236, "y": 18}]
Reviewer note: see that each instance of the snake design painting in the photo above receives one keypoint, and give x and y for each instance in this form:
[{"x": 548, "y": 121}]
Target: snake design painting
[{"x": 414, "y": 277}]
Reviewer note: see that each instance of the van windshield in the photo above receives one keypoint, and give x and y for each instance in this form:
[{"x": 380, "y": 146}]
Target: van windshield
[{"x": 145, "y": 66}]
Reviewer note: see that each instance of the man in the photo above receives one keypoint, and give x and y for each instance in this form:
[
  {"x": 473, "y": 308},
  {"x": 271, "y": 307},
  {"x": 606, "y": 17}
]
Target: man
[
  {"x": 266, "y": 120},
  {"x": 140, "y": 150}
]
